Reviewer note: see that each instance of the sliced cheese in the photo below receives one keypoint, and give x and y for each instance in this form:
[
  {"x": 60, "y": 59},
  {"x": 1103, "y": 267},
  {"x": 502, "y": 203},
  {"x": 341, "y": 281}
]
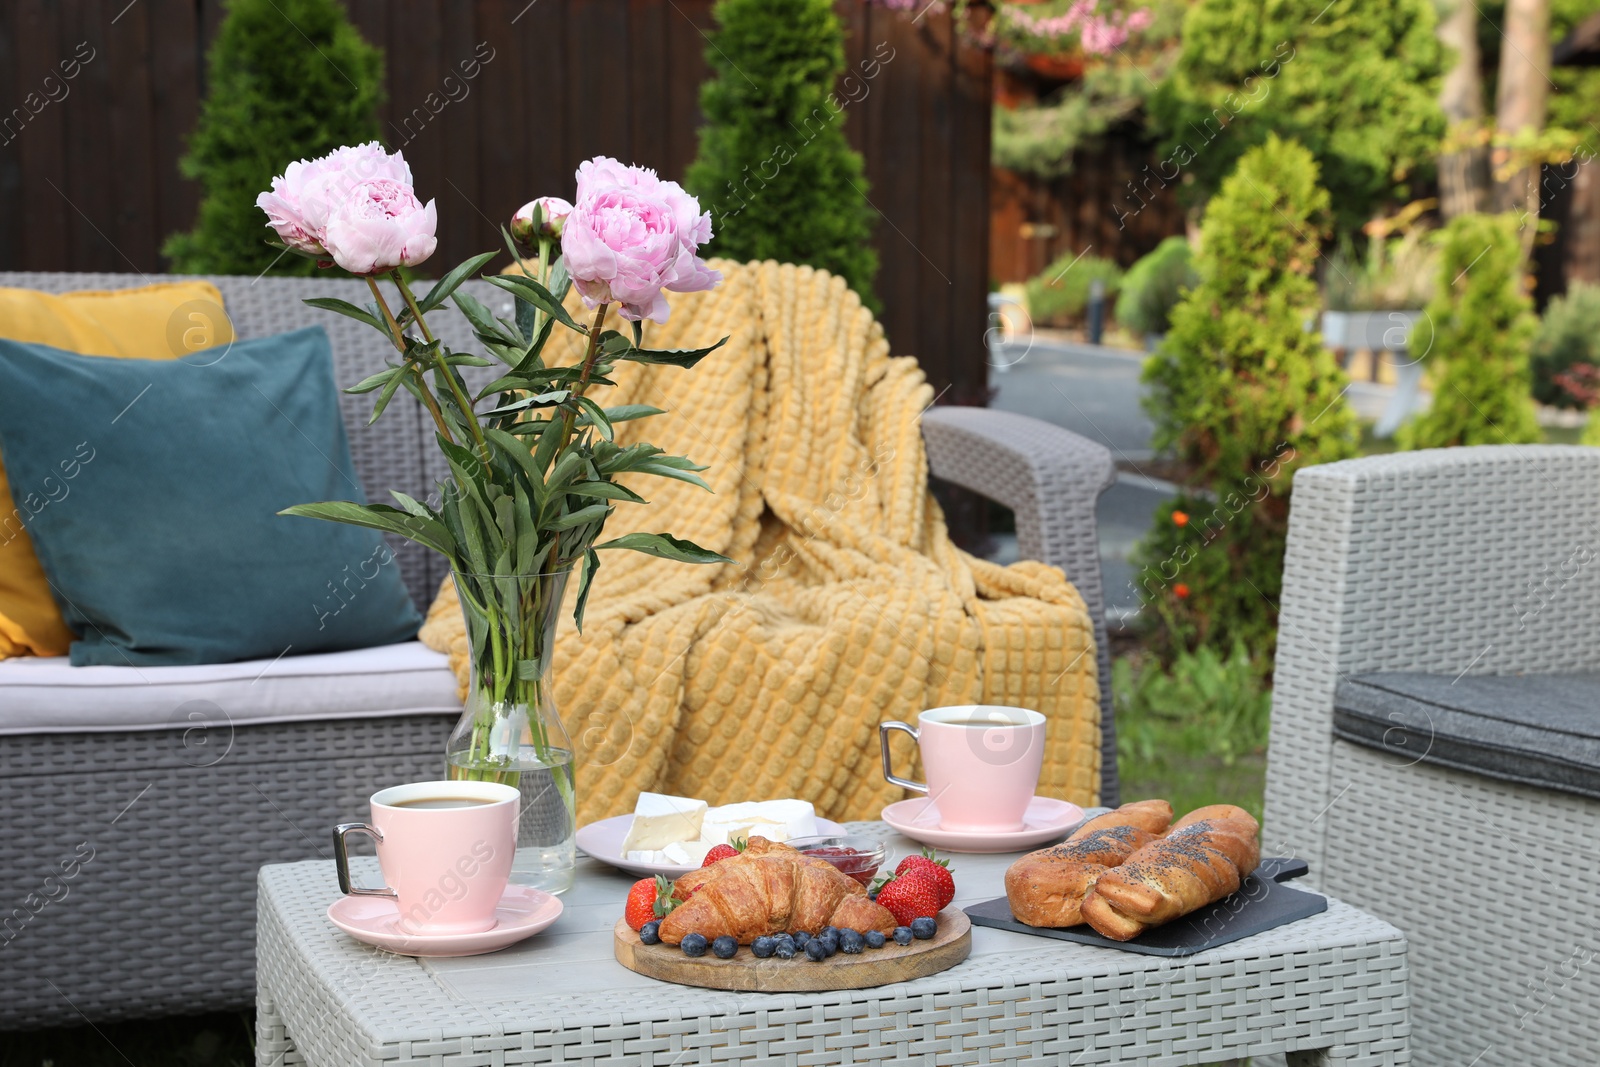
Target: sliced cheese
[{"x": 660, "y": 820}]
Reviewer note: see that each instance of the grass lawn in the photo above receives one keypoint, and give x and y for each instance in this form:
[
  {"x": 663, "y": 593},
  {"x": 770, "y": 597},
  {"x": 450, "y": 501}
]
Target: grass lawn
[{"x": 1195, "y": 735}]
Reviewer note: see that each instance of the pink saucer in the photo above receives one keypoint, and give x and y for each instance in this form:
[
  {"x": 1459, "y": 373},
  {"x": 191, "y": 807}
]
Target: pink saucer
[
  {"x": 522, "y": 912},
  {"x": 1045, "y": 821}
]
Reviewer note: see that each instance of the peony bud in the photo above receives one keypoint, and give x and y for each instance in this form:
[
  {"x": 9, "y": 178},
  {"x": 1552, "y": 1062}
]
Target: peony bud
[{"x": 543, "y": 217}]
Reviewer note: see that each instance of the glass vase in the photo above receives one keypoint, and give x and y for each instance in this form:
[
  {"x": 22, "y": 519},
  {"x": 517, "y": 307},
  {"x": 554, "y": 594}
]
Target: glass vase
[{"x": 510, "y": 731}]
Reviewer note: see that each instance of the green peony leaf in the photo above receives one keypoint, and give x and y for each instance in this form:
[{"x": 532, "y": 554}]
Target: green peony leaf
[
  {"x": 424, "y": 531},
  {"x": 591, "y": 563},
  {"x": 582, "y": 517},
  {"x": 452, "y": 281},
  {"x": 667, "y": 547},
  {"x": 536, "y": 294},
  {"x": 674, "y": 357},
  {"x": 349, "y": 310}
]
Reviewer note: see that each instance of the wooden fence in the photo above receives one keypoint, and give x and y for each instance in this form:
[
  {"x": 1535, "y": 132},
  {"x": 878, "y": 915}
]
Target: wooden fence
[
  {"x": 1112, "y": 205},
  {"x": 98, "y": 96}
]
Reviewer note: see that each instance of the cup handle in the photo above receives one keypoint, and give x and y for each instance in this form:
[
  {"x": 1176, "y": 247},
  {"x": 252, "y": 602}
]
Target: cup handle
[
  {"x": 341, "y": 860},
  {"x": 888, "y": 767}
]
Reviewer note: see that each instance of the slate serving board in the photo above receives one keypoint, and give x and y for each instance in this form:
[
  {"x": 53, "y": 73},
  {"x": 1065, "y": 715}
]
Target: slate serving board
[{"x": 1261, "y": 903}]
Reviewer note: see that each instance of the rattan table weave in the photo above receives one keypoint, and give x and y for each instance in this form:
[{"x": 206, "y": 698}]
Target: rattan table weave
[{"x": 1328, "y": 990}]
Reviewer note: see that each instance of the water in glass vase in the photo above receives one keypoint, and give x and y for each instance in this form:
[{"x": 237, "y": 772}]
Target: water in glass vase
[{"x": 546, "y": 850}]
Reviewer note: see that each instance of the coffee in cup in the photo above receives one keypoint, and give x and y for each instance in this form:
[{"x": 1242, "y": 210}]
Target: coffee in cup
[
  {"x": 445, "y": 849},
  {"x": 982, "y": 762}
]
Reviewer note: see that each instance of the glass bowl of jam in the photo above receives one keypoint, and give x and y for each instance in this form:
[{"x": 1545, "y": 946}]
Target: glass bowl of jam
[{"x": 853, "y": 854}]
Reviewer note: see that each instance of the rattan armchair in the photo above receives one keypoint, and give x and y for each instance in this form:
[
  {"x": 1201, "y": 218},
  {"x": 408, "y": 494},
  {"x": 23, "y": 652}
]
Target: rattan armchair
[
  {"x": 160, "y": 921},
  {"x": 1453, "y": 565}
]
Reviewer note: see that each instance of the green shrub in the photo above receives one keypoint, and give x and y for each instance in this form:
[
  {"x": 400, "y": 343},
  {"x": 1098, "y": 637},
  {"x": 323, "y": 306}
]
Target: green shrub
[
  {"x": 1059, "y": 296},
  {"x": 1475, "y": 338},
  {"x": 1569, "y": 333},
  {"x": 774, "y": 168},
  {"x": 1242, "y": 395},
  {"x": 1591, "y": 431},
  {"x": 1355, "y": 81},
  {"x": 274, "y": 95},
  {"x": 1154, "y": 285}
]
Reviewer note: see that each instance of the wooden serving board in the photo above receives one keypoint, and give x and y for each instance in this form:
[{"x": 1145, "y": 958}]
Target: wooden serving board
[{"x": 872, "y": 967}]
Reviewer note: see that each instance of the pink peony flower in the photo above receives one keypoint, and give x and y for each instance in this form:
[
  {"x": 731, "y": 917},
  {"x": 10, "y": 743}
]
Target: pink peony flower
[
  {"x": 631, "y": 235},
  {"x": 555, "y": 211},
  {"x": 380, "y": 225},
  {"x": 306, "y": 195}
]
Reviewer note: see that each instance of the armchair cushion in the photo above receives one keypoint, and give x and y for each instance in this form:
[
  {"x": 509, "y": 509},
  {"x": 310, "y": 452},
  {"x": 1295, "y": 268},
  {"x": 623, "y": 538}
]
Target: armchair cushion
[{"x": 1538, "y": 729}]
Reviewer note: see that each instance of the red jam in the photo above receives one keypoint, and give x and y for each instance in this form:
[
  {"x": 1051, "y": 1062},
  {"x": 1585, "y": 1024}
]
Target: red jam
[{"x": 857, "y": 864}]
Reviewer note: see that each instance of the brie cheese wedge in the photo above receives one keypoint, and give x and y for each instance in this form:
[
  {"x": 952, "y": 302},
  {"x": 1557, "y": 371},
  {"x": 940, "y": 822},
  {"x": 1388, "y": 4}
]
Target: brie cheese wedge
[{"x": 660, "y": 820}]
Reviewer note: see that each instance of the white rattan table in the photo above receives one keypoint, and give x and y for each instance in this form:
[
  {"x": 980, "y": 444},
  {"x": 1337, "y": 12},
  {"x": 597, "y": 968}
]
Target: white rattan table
[{"x": 1328, "y": 990}]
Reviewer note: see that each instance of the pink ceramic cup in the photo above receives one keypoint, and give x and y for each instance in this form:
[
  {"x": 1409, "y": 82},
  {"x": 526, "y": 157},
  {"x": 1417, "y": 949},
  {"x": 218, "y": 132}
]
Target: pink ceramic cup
[
  {"x": 446, "y": 867},
  {"x": 982, "y": 762}
]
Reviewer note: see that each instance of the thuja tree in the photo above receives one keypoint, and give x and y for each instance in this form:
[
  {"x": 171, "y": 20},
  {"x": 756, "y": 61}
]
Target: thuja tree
[
  {"x": 1475, "y": 336},
  {"x": 288, "y": 79},
  {"x": 1242, "y": 395},
  {"x": 774, "y": 168},
  {"x": 1355, "y": 81}
]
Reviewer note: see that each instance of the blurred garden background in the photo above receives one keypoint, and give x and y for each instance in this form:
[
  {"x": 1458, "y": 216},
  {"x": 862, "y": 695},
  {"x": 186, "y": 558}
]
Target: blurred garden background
[{"x": 1226, "y": 238}]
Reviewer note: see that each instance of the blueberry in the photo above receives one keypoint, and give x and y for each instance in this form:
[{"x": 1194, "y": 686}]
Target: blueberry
[
  {"x": 763, "y": 947},
  {"x": 851, "y": 942},
  {"x": 831, "y": 940},
  {"x": 784, "y": 949},
  {"x": 875, "y": 939},
  {"x": 830, "y": 930},
  {"x": 817, "y": 949},
  {"x": 724, "y": 947},
  {"x": 923, "y": 928},
  {"x": 800, "y": 939},
  {"x": 902, "y": 935},
  {"x": 650, "y": 932},
  {"x": 694, "y": 945}
]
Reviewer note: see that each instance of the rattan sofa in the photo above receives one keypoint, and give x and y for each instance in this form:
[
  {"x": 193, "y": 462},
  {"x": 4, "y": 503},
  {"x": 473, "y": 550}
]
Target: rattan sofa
[
  {"x": 128, "y": 854},
  {"x": 1435, "y": 733}
]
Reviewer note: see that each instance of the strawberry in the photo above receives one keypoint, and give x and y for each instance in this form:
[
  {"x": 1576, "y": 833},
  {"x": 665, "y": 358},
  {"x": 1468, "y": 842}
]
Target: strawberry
[
  {"x": 912, "y": 895},
  {"x": 937, "y": 869},
  {"x": 649, "y": 898},
  {"x": 722, "y": 852}
]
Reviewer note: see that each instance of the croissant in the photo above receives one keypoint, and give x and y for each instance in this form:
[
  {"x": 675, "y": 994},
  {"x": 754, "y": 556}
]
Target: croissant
[
  {"x": 770, "y": 889},
  {"x": 1204, "y": 858},
  {"x": 1047, "y": 887}
]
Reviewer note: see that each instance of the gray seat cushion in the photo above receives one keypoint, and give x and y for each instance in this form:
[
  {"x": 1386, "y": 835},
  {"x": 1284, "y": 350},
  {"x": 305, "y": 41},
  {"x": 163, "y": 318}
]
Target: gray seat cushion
[{"x": 1538, "y": 729}]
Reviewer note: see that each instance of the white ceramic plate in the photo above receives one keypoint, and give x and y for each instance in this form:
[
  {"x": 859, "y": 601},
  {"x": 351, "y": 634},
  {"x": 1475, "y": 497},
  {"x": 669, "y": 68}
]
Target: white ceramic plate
[
  {"x": 1046, "y": 820},
  {"x": 603, "y": 841},
  {"x": 522, "y": 912}
]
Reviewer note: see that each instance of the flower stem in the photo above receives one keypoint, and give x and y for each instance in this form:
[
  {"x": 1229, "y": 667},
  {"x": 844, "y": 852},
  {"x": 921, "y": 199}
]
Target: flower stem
[
  {"x": 588, "y": 368},
  {"x": 594, "y": 347},
  {"x": 468, "y": 416},
  {"x": 395, "y": 335},
  {"x": 399, "y": 339}
]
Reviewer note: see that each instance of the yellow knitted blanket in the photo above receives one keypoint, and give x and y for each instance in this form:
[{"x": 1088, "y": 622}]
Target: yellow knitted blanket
[{"x": 849, "y": 606}]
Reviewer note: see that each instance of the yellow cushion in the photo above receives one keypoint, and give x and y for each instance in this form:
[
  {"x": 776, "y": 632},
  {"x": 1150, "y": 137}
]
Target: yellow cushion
[{"x": 162, "y": 321}]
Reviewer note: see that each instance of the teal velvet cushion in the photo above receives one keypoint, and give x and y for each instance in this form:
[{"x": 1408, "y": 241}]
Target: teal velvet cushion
[{"x": 150, "y": 488}]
